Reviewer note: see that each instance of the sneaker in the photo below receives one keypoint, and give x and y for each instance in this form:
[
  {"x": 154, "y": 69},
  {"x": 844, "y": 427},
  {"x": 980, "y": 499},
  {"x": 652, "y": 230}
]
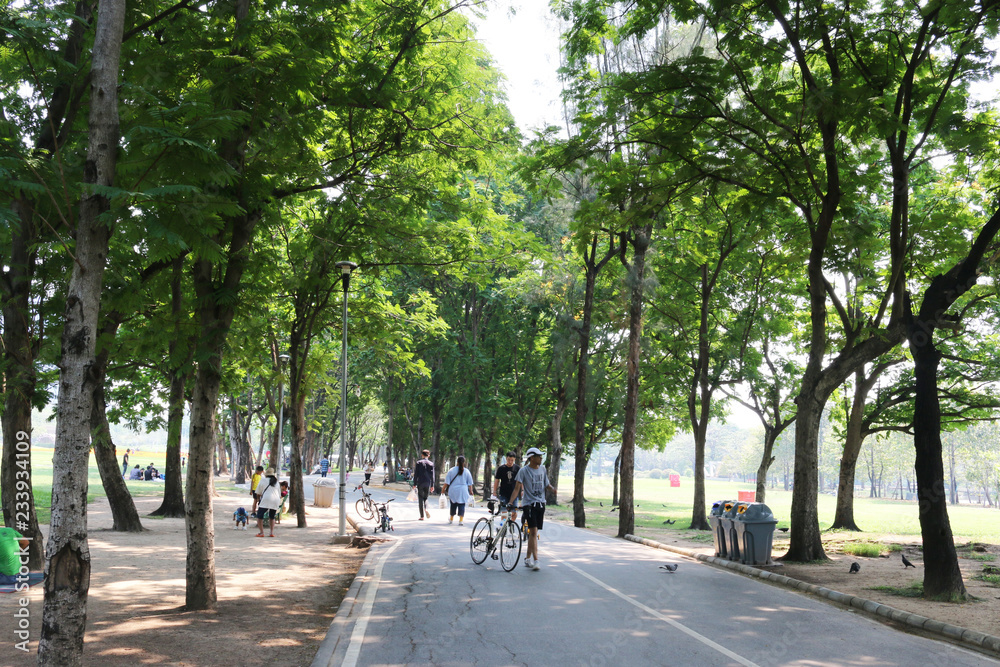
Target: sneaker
[
  {"x": 527, "y": 562},
  {"x": 535, "y": 566}
]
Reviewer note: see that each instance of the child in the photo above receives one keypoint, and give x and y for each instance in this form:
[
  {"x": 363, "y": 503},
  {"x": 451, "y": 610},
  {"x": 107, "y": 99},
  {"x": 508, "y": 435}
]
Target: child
[
  {"x": 284, "y": 499},
  {"x": 240, "y": 517}
]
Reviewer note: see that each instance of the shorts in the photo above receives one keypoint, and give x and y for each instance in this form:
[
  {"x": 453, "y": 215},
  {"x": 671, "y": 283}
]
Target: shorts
[
  {"x": 534, "y": 515},
  {"x": 264, "y": 513},
  {"x": 503, "y": 497}
]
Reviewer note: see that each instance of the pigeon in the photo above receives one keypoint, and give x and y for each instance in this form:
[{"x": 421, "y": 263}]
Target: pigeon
[
  {"x": 670, "y": 521},
  {"x": 669, "y": 567},
  {"x": 906, "y": 561},
  {"x": 855, "y": 568}
]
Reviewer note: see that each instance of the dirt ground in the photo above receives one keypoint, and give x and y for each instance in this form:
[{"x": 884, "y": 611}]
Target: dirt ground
[
  {"x": 982, "y": 613},
  {"x": 277, "y": 597}
]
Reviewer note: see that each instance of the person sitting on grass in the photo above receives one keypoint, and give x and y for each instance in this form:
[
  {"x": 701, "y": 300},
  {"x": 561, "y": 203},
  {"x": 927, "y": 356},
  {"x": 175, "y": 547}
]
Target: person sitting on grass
[
  {"x": 136, "y": 473},
  {"x": 269, "y": 502}
]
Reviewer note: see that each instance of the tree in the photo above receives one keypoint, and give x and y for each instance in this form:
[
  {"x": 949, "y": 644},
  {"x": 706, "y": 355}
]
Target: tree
[{"x": 67, "y": 569}]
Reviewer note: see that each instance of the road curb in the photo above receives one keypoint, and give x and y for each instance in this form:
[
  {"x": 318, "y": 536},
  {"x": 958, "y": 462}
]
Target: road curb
[
  {"x": 331, "y": 650},
  {"x": 953, "y": 633}
]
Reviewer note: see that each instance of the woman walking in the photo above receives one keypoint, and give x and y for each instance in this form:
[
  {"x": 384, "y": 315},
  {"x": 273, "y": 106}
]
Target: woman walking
[
  {"x": 458, "y": 485},
  {"x": 270, "y": 500}
]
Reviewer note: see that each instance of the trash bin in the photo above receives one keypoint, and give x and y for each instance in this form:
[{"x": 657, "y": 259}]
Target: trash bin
[
  {"x": 715, "y": 520},
  {"x": 754, "y": 526},
  {"x": 323, "y": 492},
  {"x": 730, "y": 510}
]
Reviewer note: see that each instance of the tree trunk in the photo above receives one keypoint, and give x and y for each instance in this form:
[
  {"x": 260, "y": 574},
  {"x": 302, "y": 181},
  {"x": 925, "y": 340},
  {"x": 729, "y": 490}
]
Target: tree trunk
[
  {"x": 296, "y": 492},
  {"x": 766, "y": 461},
  {"x": 581, "y": 453},
  {"x": 844, "y": 517},
  {"x": 556, "y": 448},
  {"x": 20, "y": 386},
  {"x": 199, "y": 519},
  {"x": 67, "y": 570},
  {"x": 805, "y": 541},
  {"x": 641, "y": 239},
  {"x": 173, "y": 493},
  {"x": 942, "y": 576},
  {"x": 222, "y": 467},
  {"x": 125, "y": 517}
]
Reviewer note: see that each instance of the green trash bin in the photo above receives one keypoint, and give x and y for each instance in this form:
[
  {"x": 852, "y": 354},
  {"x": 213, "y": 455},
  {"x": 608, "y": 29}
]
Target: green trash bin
[
  {"x": 718, "y": 534},
  {"x": 726, "y": 520},
  {"x": 754, "y": 526}
]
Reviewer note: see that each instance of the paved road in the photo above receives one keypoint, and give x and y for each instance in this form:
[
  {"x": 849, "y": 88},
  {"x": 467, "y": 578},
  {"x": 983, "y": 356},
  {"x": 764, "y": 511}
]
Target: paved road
[{"x": 596, "y": 601}]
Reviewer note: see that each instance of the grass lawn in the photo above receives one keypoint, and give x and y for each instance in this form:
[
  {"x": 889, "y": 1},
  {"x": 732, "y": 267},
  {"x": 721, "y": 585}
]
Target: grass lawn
[
  {"x": 657, "y": 501},
  {"x": 41, "y": 478}
]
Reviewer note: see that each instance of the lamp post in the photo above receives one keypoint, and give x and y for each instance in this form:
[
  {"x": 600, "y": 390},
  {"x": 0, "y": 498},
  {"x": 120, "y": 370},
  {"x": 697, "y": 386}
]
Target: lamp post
[
  {"x": 280, "y": 447},
  {"x": 345, "y": 277}
]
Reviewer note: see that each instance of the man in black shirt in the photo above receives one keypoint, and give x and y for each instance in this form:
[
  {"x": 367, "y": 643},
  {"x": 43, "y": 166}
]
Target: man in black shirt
[
  {"x": 423, "y": 479},
  {"x": 504, "y": 480}
]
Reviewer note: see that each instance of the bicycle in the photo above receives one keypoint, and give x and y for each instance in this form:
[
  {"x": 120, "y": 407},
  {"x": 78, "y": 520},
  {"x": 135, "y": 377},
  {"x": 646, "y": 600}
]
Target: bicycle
[
  {"x": 385, "y": 521},
  {"x": 505, "y": 546},
  {"x": 365, "y": 505}
]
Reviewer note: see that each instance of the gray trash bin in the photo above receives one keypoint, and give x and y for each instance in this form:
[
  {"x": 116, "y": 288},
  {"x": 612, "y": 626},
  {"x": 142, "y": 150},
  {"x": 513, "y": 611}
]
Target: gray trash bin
[
  {"x": 730, "y": 509},
  {"x": 755, "y": 531},
  {"x": 715, "y": 520}
]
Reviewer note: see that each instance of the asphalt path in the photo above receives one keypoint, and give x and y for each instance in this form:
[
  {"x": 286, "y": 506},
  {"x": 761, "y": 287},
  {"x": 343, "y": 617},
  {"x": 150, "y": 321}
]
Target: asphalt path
[{"x": 595, "y": 601}]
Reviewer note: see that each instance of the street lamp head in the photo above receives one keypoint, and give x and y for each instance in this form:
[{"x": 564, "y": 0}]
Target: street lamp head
[
  {"x": 283, "y": 358},
  {"x": 346, "y": 267}
]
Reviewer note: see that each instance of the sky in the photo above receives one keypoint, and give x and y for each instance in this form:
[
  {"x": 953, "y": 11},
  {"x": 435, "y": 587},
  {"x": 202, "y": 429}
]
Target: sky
[{"x": 523, "y": 37}]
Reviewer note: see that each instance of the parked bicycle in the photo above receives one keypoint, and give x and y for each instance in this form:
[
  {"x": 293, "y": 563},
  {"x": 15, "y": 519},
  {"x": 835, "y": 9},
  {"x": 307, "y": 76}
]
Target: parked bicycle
[
  {"x": 365, "y": 505},
  {"x": 502, "y": 543},
  {"x": 384, "y": 520}
]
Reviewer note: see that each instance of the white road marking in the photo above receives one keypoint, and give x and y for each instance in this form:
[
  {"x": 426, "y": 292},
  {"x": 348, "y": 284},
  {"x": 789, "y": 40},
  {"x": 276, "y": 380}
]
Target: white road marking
[
  {"x": 358, "y": 635},
  {"x": 669, "y": 621}
]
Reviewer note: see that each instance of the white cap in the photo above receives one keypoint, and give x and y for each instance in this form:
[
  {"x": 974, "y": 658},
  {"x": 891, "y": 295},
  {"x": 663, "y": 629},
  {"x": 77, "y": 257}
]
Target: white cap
[{"x": 532, "y": 452}]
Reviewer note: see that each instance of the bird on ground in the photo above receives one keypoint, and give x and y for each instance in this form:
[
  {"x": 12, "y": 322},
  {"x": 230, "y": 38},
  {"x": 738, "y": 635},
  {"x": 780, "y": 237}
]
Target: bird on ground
[
  {"x": 637, "y": 504},
  {"x": 613, "y": 509},
  {"x": 662, "y": 505},
  {"x": 783, "y": 530},
  {"x": 906, "y": 562},
  {"x": 669, "y": 567},
  {"x": 600, "y": 503},
  {"x": 855, "y": 568},
  {"x": 670, "y": 521}
]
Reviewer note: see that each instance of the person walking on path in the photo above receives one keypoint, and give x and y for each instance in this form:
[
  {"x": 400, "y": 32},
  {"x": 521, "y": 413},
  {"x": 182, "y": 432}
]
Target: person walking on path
[
  {"x": 270, "y": 501},
  {"x": 369, "y": 469},
  {"x": 324, "y": 466},
  {"x": 423, "y": 479},
  {"x": 125, "y": 462},
  {"x": 458, "y": 485},
  {"x": 504, "y": 481},
  {"x": 533, "y": 480}
]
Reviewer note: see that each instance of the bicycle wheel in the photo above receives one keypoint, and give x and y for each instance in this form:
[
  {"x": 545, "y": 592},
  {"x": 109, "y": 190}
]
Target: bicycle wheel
[
  {"x": 482, "y": 536},
  {"x": 510, "y": 547},
  {"x": 365, "y": 509},
  {"x": 385, "y": 523}
]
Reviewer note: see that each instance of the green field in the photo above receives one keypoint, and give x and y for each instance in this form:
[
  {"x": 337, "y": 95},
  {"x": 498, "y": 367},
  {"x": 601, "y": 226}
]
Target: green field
[
  {"x": 657, "y": 501},
  {"x": 41, "y": 478}
]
